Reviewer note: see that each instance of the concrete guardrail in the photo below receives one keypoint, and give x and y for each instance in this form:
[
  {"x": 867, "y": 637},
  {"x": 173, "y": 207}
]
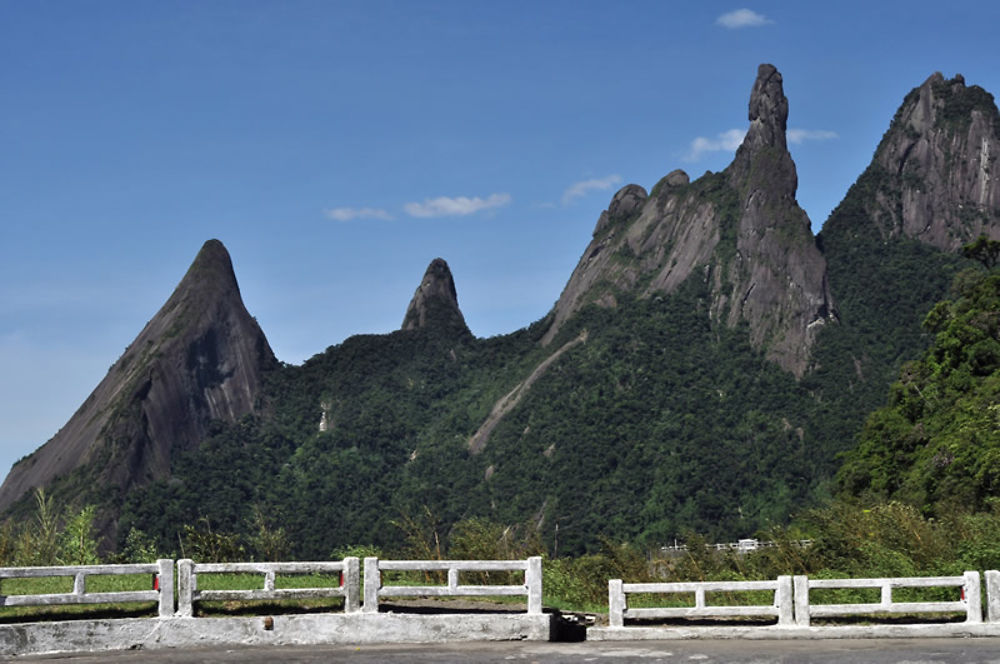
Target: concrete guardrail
[
  {"x": 531, "y": 588},
  {"x": 188, "y": 593},
  {"x": 781, "y": 606},
  {"x": 969, "y": 602},
  {"x": 162, "y": 586}
]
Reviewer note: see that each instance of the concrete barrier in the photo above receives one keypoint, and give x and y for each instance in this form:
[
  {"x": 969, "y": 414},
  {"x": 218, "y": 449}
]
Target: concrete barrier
[
  {"x": 97, "y": 635},
  {"x": 357, "y": 624},
  {"x": 352, "y": 626},
  {"x": 189, "y": 594},
  {"x": 162, "y": 593},
  {"x": 969, "y": 602},
  {"x": 797, "y": 599},
  {"x": 374, "y": 589},
  {"x": 780, "y": 607}
]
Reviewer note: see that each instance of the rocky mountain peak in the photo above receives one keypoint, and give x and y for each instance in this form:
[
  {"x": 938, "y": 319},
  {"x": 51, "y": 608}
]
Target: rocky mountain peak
[
  {"x": 741, "y": 231},
  {"x": 762, "y": 160},
  {"x": 934, "y": 174},
  {"x": 200, "y": 358},
  {"x": 768, "y": 110},
  {"x": 435, "y": 302},
  {"x": 625, "y": 203}
]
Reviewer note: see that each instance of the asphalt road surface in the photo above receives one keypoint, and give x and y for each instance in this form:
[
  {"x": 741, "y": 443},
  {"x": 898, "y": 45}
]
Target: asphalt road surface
[{"x": 832, "y": 651}]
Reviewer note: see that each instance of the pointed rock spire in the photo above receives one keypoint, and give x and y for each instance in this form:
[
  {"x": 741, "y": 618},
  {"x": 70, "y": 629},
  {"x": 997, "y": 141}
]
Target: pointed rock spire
[
  {"x": 762, "y": 160},
  {"x": 200, "y": 358},
  {"x": 435, "y": 302}
]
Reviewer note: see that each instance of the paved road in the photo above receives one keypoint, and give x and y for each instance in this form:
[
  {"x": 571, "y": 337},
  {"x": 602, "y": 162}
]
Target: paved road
[{"x": 833, "y": 651}]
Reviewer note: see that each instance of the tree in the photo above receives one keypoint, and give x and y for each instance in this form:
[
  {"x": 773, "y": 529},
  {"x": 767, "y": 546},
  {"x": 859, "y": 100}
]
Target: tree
[{"x": 984, "y": 250}]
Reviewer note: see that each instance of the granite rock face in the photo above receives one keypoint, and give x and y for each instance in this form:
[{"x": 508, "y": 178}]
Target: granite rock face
[
  {"x": 936, "y": 171},
  {"x": 200, "y": 358},
  {"x": 435, "y": 302},
  {"x": 741, "y": 230},
  {"x": 778, "y": 280}
]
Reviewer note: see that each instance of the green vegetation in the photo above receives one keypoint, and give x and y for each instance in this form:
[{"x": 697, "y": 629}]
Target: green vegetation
[{"x": 936, "y": 444}]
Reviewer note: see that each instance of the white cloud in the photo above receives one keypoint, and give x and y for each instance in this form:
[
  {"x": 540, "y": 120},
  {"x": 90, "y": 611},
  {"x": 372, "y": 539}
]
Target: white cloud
[
  {"x": 445, "y": 206},
  {"x": 348, "y": 213},
  {"x": 796, "y": 136},
  {"x": 727, "y": 140},
  {"x": 742, "y": 18},
  {"x": 584, "y": 187}
]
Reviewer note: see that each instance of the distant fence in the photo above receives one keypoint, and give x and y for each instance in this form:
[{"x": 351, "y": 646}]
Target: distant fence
[
  {"x": 188, "y": 593},
  {"x": 781, "y": 605},
  {"x": 531, "y": 588},
  {"x": 161, "y": 585},
  {"x": 740, "y": 546}
]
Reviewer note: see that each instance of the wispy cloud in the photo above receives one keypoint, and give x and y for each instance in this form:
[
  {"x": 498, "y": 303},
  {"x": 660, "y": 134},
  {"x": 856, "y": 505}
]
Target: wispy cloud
[
  {"x": 726, "y": 141},
  {"x": 460, "y": 206},
  {"x": 731, "y": 139},
  {"x": 796, "y": 136},
  {"x": 742, "y": 18},
  {"x": 349, "y": 213},
  {"x": 582, "y": 188}
]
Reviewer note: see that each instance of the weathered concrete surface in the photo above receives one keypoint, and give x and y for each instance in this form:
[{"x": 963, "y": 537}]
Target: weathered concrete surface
[
  {"x": 145, "y": 633},
  {"x": 840, "y": 651},
  {"x": 775, "y": 632}
]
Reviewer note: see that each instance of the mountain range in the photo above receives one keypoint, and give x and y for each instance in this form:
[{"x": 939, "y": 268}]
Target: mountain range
[{"x": 706, "y": 362}]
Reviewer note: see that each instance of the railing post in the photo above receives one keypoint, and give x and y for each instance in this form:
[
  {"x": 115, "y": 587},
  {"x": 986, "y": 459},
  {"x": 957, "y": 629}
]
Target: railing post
[
  {"x": 801, "y": 592},
  {"x": 992, "y": 595},
  {"x": 616, "y": 603},
  {"x": 165, "y": 584},
  {"x": 373, "y": 581},
  {"x": 185, "y": 588},
  {"x": 79, "y": 583},
  {"x": 974, "y": 606},
  {"x": 783, "y": 600},
  {"x": 352, "y": 585},
  {"x": 533, "y": 580}
]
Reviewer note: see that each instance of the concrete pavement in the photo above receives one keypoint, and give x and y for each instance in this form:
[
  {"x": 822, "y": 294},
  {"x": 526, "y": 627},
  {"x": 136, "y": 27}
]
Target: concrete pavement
[{"x": 833, "y": 651}]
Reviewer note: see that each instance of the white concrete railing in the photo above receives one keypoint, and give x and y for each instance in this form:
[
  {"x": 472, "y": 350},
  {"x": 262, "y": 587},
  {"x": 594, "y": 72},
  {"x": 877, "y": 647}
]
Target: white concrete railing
[
  {"x": 781, "y": 606},
  {"x": 969, "y": 604},
  {"x": 992, "y": 595},
  {"x": 188, "y": 593},
  {"x": 532, "y": 586},
  {"x": 162, "y": 591}
]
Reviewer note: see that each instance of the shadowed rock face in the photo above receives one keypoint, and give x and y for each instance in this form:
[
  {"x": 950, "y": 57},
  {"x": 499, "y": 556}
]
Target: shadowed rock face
[
  {"x": 936, "y": 174},
  {"x": 435, "y": 302},
  {"x": 200, "y": 358},
  {"x": 741, "y": 230}
]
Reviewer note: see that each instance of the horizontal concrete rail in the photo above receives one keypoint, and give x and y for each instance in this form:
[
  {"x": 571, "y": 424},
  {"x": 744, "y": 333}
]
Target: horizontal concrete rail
[
  {"x": 188, "y": 593},
  {"x": 531, "y": 588},
  {"x": 781, "y": 607},
  {"x": 163, "y": 593},
  {"x": 969, "y": 604}
]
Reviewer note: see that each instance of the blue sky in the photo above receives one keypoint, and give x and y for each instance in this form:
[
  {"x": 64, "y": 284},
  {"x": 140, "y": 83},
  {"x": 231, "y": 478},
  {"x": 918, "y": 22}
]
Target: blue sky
[{"x": 336, "y": 148}]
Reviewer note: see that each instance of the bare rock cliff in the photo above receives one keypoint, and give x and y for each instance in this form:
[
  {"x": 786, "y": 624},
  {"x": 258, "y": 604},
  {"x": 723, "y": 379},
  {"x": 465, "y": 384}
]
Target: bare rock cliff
[
  {"x": 936, "y": 173},
  {"x": 201, "y": 358},
  {"x": 741, "y": 230},
  {"x": 435, "y": 302}
]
